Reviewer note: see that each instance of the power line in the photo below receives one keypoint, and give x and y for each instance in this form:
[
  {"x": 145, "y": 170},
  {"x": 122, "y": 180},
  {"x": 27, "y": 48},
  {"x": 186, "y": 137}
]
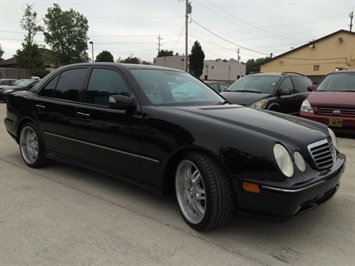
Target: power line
[
  {"x": 183, "y": 26},
  {"x": 228, "y": 40}
]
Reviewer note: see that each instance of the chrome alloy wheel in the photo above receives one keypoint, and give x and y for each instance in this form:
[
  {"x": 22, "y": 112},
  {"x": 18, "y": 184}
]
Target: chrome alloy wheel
[
  {"x": 190, "y": 192},
  {"x": 29, "y": 145}
]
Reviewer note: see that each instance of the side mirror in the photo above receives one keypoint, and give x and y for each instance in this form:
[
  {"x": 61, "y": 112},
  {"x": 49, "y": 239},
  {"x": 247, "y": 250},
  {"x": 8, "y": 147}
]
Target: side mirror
[
  {"x": 121, "y": 102},
  {"x": 311, "y": 87},
  {"x": 284, "y": 92}
]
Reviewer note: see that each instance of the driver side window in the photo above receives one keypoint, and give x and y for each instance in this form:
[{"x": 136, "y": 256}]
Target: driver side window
[
  {"x": 102, "y": 84},
  {"x": 286, "y": 87}
]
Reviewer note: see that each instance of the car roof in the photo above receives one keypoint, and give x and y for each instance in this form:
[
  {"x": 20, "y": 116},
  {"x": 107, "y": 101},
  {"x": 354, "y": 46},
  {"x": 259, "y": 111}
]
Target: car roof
[
  {"x": 276, "y": 74},
  {"x": 213, "y": 81},
  {"x": 343, "y": 71},
  {"x": 124, "y": 65}
]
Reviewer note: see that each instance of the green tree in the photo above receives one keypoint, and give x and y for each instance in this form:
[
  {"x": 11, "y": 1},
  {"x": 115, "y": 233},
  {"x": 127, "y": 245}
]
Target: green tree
[
  {"x": 163, "y": 53},
  {"x": 146, "y": 63},
  {"x": 30, "y": 56},
  {"x": 1, "y": 53},
  {"x": 67, "y": 35},
  {"x": 253, "y": 66},
  {"x": 104, "y": 56},
  {"x": 131, "y": 60},
  {"x": 196, "y": 60}
]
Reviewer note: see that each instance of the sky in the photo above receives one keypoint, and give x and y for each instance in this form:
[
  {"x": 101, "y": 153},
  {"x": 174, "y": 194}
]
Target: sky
[{"x": 129, "y": 28}]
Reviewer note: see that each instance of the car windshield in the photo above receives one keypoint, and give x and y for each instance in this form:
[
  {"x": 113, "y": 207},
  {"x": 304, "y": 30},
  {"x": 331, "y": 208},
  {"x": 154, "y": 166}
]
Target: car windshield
[
  {"x": 257, "y": 84},
  {"x": 17, "y": 82},
  {"x": 338, "y": 82},
  {"x": 24, "y": 82},
  {"x": 5, "y": 82},
  {"x": 168, "y": 87}
]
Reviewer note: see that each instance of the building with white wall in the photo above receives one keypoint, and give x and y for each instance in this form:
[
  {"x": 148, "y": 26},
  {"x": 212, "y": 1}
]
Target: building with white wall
[
  {"x": 222, "y": 70},
  {"x": 218, "y": 70}
]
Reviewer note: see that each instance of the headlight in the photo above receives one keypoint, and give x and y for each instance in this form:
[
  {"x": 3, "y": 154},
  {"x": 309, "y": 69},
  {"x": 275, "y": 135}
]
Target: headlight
[
  {"x": 299, "y": 161},
  {"x": 260, "y": 104},
  {"x": 306, "y": 107},
  {"x": 334, "y": 138},
  {"x": 283, "y": 159},
  {"x": 7, "y": 91}
]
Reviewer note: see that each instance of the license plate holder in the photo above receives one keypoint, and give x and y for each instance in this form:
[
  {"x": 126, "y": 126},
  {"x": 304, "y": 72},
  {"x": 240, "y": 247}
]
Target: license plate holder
[{"x": 335, "y": 122}]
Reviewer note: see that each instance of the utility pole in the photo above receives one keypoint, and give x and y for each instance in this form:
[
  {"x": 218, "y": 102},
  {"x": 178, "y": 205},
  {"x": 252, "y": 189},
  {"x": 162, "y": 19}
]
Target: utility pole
[
  {"x": 238, "y": 56},
  {"x": 187, "y": 12},
  {"x": 351, "y": 15},
  {"x": 159, "y": 44}
]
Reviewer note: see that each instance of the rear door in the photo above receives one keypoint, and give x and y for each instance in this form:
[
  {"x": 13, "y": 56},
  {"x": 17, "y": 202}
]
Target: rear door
[{"x": 55, "y": 107}]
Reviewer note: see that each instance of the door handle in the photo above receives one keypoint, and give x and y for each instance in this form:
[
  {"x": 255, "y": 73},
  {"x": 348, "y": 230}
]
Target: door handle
[
  {"x": 40, "y": 106},
  {"x": 83, "y": 114}
]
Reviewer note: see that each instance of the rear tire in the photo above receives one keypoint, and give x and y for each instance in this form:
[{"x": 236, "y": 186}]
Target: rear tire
[
  {"x": 31, "y": 146},
  {"x": 204, "y": 192}
]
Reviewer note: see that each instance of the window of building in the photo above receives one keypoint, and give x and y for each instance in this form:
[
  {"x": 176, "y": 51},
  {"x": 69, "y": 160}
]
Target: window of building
[{"x": 316, "y": 68}]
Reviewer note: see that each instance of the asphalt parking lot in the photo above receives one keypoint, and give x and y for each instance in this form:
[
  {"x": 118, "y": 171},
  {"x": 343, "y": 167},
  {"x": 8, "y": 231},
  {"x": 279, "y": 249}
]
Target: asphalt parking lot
[{"x": 67, "y": 215}]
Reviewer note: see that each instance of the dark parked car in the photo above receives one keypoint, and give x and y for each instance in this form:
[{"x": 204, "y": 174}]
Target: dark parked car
[
  {"x": 126, "y": 121},
  {"x": 217, "y": 86},
  {"x": 332, "y": 102},
  {"x": 280, "y": 92},
  {"x": 19, "y": 85}
]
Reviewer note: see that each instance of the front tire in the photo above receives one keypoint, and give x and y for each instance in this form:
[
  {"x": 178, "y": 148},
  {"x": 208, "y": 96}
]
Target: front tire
[
  {"x": 204, "y": 192},
  {"x": 31, "y": 146}
]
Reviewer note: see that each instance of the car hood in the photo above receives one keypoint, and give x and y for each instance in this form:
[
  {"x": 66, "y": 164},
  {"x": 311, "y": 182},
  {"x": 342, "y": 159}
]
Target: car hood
[
  {"x": 244, "y": 98},
  {"x": 13, "y": 87},
  {"x": 332, "y": 98},
  {"x": 278, "y": 126},
  {"x": 5, "y": 86}
]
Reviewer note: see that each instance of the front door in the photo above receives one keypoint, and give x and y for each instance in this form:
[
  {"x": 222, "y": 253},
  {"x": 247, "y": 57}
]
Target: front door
[{"x": 107, "y": 138}]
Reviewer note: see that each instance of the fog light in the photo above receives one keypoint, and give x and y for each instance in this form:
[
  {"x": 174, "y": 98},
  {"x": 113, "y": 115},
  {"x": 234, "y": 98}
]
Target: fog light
[{"x": 249, "y": 187}]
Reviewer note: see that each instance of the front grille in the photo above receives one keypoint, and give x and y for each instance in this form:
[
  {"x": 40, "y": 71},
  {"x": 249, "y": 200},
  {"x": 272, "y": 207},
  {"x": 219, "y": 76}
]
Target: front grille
[
  {"x": 336, "y": 111},
  {"x": 323, "y": 153}
]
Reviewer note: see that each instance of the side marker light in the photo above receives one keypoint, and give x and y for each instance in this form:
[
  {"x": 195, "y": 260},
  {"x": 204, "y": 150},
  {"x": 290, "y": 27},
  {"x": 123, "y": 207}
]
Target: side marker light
[{"x": 250, "y": 187}]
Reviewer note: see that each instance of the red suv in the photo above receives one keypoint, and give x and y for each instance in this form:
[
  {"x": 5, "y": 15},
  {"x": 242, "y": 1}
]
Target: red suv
[{"x": 332, "y": 101}]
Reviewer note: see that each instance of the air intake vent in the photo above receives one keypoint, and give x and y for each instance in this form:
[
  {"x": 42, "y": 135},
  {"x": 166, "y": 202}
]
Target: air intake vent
[{"x": 323, "y": 154}]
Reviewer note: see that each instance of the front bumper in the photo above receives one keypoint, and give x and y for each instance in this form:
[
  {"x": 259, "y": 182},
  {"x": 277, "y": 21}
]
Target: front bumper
[
  {"x": 287, "y": 202},
  {"x": 347, "y": 125}
]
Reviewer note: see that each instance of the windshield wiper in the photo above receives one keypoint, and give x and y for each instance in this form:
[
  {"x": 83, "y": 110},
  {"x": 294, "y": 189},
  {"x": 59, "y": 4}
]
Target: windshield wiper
[
  {"x": 223, "y": 103},
  {"x": 249, "y": 91}
]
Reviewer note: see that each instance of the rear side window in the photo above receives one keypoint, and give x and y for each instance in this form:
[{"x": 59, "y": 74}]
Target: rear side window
[
  {"x": 70, "y": 83},
  {"x": 214, "y": 86},
  {"x": 48, "y": 90},
  {"x": 301, "y": 83},
  {"x": 66, "y": 85}
]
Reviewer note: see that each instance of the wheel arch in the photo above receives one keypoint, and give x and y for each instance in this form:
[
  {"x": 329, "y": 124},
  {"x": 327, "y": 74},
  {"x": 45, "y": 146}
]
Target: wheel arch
[
  {"x": 172, "y": 163},
  {"x": 20, "y": 125},
  {"x": 274, "y": 107}
]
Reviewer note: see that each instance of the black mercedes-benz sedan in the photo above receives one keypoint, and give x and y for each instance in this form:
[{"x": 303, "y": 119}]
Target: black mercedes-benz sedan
[{"x": 166, "y": 131}]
